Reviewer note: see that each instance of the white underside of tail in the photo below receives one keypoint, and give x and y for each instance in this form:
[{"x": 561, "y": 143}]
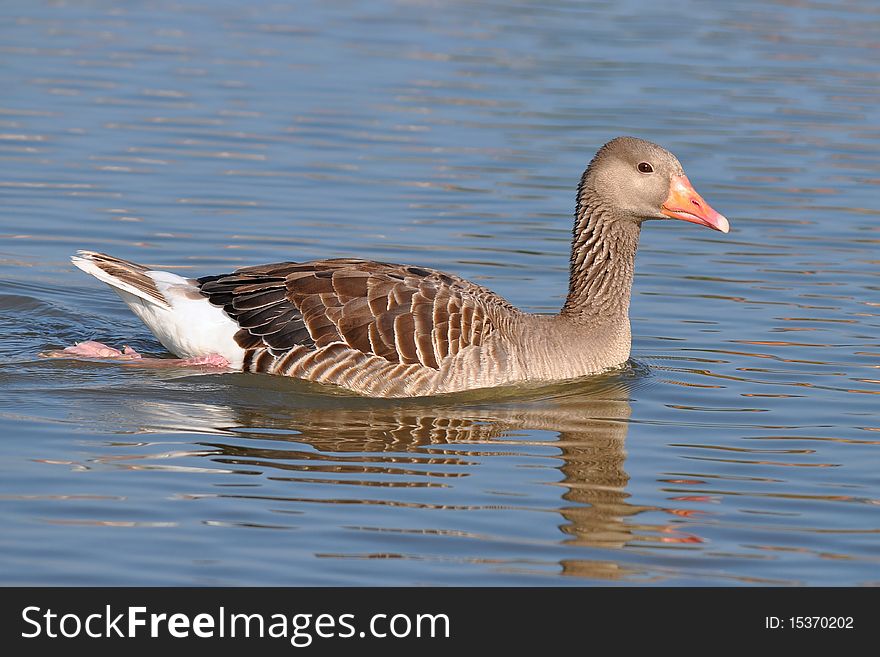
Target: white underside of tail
[{"x": 188, "y": 326}]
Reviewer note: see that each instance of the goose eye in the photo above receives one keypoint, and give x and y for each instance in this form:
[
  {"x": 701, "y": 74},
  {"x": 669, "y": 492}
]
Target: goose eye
[{"x": 644, "y": 167}]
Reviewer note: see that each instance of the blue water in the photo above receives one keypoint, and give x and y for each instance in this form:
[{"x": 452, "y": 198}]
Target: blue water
[{"x": 740, "y": 446}]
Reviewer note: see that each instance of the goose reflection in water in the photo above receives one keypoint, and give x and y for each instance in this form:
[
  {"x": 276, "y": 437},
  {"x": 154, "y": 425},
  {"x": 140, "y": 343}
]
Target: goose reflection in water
[{"x": 339, "y": 442}]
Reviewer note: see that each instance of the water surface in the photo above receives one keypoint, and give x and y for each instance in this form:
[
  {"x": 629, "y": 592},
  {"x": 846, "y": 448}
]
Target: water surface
[{"x": 740, "y": 446}]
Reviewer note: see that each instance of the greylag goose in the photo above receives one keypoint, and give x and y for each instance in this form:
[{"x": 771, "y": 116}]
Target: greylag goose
[{"x": 388, "y": 330}]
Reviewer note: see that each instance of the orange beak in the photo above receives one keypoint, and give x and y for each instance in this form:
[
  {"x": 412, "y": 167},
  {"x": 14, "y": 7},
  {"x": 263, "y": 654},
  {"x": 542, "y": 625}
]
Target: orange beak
[{"x": 684, "y": 203}]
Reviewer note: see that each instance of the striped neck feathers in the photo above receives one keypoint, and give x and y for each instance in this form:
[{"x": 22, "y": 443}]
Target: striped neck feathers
[{"x": 603, "y": 254}]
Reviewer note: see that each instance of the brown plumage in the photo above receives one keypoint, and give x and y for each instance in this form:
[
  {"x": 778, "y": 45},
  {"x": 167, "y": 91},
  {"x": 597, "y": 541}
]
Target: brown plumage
[
  {"x": 304, "y": 319},
  {"x": 396, "y": 330}
]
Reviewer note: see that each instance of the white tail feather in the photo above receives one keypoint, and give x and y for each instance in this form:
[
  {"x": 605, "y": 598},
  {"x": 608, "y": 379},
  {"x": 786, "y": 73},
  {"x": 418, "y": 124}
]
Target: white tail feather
[
  {"x": 186, "y": 324},
  {"x": 81, "y": 260}
]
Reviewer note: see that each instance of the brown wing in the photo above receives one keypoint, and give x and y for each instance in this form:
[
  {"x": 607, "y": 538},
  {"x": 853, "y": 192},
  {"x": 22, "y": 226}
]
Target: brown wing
[{"x": 403, "y": 314}]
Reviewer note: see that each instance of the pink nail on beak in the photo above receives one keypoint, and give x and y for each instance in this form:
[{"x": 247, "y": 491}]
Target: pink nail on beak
[{"x": 684, "y": 203}]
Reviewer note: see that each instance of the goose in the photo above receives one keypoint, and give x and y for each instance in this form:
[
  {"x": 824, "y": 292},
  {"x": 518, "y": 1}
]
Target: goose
[{"x": 391, "y": 330}]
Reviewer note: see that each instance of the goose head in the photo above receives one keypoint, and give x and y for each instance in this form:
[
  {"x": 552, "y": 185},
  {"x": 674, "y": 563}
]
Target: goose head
[{"x": 636, "y": 180}]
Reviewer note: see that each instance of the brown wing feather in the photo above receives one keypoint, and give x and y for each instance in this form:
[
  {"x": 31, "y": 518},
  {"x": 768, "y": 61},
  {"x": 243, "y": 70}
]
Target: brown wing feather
[{"x": 405, "y": 315}]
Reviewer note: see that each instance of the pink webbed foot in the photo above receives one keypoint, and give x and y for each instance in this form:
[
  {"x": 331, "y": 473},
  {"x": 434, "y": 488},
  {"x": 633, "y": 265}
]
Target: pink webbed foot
[
  {"x": 211, "y": 360},
  {"x": 98, "y": 350},
  {"x": 91, "y": 349}
]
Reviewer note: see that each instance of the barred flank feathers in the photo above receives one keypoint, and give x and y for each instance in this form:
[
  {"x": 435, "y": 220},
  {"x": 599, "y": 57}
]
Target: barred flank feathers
[{"x": 338, "y": 321}]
